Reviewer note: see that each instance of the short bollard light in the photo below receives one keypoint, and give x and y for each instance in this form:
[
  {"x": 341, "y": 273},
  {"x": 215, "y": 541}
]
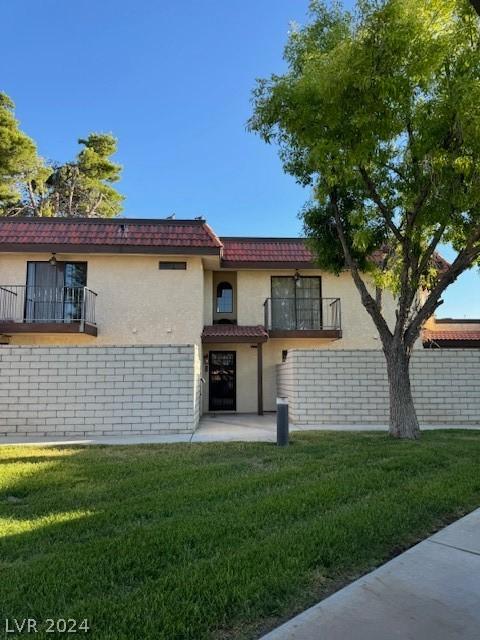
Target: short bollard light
[{"x": 282, "y": 422}]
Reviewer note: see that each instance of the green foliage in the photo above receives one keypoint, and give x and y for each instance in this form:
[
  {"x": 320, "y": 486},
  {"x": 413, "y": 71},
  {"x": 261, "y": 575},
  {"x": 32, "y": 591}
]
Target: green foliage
[
  {"x": 19, "y": 162},
  {"x": 365, "y": 235},
  {"x": 83, "y": 187},
  {"x": 30, "y": 187},
  {"x": 383, "y": 106}
]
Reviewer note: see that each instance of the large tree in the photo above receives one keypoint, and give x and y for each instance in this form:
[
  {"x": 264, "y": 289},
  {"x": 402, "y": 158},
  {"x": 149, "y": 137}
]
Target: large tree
[
  {"x": 379, "y": 111},
  {"x": 29, "y": 186},
  {"x": 84, "y": 187},
  {"x": 19, "y": 161}
]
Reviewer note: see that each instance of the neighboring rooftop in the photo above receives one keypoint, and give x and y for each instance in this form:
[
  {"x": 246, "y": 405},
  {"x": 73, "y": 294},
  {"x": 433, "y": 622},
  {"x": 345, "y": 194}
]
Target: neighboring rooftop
[{"x": 452, "y": 333}]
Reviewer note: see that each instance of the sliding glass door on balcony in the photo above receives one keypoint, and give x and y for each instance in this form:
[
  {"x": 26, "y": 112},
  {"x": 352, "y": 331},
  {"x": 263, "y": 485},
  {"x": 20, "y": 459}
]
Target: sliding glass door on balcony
[
  {"x": 55, "y": 293},
  {"x": 296, "y": 303}
]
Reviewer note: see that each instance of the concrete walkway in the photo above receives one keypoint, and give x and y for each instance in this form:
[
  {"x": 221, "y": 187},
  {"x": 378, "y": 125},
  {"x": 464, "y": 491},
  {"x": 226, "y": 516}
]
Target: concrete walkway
[
  {"x": 430, "y": 592},
  {"x": 246, "y": 427},
  {"x": 212, "y": 428},
  {"x": 223, "y": 427}
]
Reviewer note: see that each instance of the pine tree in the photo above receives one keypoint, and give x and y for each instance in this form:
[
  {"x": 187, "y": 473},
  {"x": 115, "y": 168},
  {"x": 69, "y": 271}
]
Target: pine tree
[
  {"x": 80, "y": 188},
  {"x": 20, "y": 165}
]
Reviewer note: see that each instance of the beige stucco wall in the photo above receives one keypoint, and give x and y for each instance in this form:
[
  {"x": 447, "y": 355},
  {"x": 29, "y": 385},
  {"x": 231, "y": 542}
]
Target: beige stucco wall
[
  {"x": 457, "y": 325},
  {"x": 358, "y": 329},
  {"x": 136, "y": 304},
  {"x": 139, "y": 304},
  {"x": 208, "y": 297}
]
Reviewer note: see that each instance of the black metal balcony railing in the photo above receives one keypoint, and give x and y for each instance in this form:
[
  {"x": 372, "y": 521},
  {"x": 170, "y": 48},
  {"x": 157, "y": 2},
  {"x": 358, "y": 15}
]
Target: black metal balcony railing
[
  {"x": 31, "y": 304},
  {"x": 303, "y": 314}
]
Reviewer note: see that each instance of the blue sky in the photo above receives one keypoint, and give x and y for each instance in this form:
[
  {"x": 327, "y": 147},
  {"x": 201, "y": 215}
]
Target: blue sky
[{"x": 172, "y": 80}]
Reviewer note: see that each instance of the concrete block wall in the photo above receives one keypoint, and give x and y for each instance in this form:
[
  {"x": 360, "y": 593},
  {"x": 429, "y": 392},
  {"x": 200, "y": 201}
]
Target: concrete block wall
[
  {"x": 82, "y": 391},
  {"x": 349, "y": 387}
]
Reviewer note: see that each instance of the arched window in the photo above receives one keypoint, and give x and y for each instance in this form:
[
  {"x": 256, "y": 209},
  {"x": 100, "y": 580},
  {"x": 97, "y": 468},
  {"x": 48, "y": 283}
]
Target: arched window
[{"x": 224, "y": 298}]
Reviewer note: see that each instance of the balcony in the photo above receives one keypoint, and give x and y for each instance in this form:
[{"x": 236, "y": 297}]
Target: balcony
[
  {"x": 31, "y": 309},
  {"x": 303, "y": 317}
]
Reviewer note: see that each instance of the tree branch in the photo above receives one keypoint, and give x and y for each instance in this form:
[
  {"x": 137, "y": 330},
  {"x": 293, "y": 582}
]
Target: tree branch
[
  {"x": 394, "y": 169},
  {"x": 410, "y": 145},
  {"x": 71, "y": 193},
  {"x": 32, "y": 198},
  {"x": 407, "y": 293},
  {"x": 437, "y": 236},
  {"x": 93, "y": 210},
  {"x": 476, "y": 5},
  {"x": 368, "y": 301},
  {"x": 462, "y": 262},
  {"x": 417, "y": 207},
  {"x": 384, "y": 210},
  {"x": 410, "y": 263}
]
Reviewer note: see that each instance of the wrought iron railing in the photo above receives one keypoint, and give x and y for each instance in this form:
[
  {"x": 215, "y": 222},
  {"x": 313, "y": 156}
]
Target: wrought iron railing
[
  {"x": 302, "y": 314},
  {"x": 24, "y": 303}
]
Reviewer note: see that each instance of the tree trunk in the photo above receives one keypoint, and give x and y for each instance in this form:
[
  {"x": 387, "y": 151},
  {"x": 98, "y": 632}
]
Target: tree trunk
[{"x": 403, "y": 417}]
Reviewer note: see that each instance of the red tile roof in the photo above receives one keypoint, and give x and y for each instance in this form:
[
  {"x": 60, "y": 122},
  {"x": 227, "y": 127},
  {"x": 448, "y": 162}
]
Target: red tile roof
[
  {"x": 292, "y": 252},
  {"x": 49, "y": 233},
  {"x": 266, "y": 251},
  {"x": 234, "y": 331},
  {"x": 435, "y": 335},
  {"x": 151, "y": 235}
]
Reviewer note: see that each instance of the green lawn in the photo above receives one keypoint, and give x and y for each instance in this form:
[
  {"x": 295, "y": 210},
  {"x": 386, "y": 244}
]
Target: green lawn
[{"x": 216, "y": 540}]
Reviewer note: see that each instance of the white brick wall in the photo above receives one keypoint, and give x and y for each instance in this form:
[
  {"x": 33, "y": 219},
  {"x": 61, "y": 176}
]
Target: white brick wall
[
  {"x": 78, "y": 391},
  {"x": 350, "y": 387}
]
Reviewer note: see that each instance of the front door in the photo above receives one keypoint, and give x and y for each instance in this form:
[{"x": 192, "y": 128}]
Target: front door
[{"x": 222, "y": 381}]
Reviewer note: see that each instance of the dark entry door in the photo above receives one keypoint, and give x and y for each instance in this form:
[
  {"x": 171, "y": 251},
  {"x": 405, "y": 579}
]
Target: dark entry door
[{"x": 222, "y": 381}]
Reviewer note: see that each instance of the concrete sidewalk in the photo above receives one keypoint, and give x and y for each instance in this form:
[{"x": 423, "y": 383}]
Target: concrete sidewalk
[
  {"x": 212, "y": 428},
  {"x": 226, "y": 427},
  {"x": 430, "y": 592}
]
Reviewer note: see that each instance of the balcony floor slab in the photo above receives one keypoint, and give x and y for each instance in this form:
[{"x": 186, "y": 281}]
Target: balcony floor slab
[{"x": 10, "y": 328}]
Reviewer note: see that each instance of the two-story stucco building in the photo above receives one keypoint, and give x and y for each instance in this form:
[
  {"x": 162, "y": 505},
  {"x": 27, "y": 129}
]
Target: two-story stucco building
[{"x": 242, "y": 302}]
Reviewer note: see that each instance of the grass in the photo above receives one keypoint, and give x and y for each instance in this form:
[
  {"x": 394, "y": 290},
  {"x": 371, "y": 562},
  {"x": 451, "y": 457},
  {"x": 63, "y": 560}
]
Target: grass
[{"x": 216, "y": 540}]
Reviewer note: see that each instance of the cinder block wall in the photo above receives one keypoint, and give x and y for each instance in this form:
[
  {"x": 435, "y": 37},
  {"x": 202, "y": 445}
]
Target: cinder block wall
[
  {"x": 81, "y": 391},
  {"x": 350, "y": 387}
]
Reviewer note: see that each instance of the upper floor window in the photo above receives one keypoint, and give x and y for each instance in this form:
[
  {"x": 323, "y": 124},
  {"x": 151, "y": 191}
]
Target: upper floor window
[
  {"x": 299, "y": 287},
  {"x": 224, "y": 298},
  {"x": 175, "y": 266}
]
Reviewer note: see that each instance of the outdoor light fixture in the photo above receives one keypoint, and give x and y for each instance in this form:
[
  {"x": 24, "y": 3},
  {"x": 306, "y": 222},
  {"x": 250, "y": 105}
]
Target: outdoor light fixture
[
  {"x": 296, "y": 277},
  {"x": 53, "y": 260}
]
